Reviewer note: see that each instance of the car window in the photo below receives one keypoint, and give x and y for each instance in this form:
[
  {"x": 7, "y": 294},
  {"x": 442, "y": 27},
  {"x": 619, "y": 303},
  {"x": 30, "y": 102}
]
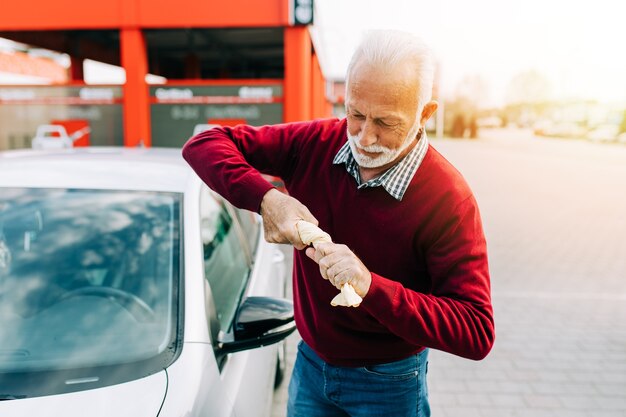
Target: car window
[
  {"x": 226, "y": 265},
  {"x": 88, "y": 280},
  {"x": 250, "y": 226}
]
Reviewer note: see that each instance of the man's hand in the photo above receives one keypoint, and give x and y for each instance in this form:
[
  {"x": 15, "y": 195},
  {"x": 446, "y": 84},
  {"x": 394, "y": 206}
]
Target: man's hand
[
  {"x": 280, "y": 213},
  {"x": 340, "y": 265}
]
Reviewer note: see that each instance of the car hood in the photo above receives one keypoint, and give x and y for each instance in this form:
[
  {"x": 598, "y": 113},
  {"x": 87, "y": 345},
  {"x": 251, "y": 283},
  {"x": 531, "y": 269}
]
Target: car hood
[{"x": 139, "y": 398}]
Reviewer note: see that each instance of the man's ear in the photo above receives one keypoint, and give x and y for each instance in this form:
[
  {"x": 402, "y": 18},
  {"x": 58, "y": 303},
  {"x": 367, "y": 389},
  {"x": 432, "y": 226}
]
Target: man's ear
[{"x": 429, "y": 109}]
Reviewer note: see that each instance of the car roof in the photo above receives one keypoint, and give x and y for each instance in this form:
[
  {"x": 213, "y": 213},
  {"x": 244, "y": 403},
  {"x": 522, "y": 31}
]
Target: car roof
[{"x": 115, "y": 168}]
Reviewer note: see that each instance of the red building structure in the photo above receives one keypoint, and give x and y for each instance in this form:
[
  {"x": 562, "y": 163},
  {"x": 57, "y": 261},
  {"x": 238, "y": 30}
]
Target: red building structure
[{"x": 222, "y": 62}]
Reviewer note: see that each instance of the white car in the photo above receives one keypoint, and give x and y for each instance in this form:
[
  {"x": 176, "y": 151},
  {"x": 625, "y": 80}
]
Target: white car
[
  {"x": 603, "y": 133},
  {"x": 128, "y": 288},
  {"x": 56, "y": 137},
  {"x": 199, "y": 128}
]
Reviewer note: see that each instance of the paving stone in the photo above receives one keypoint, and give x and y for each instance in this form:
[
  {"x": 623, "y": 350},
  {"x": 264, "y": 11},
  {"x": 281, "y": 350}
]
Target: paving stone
[
  {"x": 507, "y": 400},
  {"x": 613, "y": 403},
  {"x": 444, "y": 399},
  {"x": 542, "y": 401},
  {"x": 451, "y": 386},
  {"x": 462, "y": 412},
  {"x": 614, "y": 377},
  {"x": 474, "y": 399},
  {"x": 496, "y": 412},
  {"x": 528, "y": 412},
  {"x": 600, "y": 413},
  {"x": 572, "y": 413},
  {"x": 618, "y": 389},
  {"x": 579, "y": 402}
]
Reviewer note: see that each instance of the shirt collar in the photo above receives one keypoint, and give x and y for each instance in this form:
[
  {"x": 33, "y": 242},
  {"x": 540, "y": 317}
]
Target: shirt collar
[{"x": 396, "y": 179}]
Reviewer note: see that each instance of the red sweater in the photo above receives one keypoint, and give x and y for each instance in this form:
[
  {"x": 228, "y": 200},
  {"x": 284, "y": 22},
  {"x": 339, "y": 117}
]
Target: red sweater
[{"x": 427, "y": 253}]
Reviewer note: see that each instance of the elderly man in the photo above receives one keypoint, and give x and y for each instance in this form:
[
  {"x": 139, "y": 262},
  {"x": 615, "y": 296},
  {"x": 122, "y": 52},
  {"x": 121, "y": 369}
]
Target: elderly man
[{"x": 408, "y": 232}]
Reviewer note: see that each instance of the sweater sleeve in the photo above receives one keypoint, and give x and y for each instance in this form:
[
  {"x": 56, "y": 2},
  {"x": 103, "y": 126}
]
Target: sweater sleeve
[
  {"x": 231, "y": 160},
  {"x": 457, "y": 317}
]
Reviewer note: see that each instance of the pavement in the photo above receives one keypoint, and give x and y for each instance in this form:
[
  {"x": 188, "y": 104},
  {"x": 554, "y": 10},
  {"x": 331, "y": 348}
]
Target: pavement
[{"x": 554, "y": 213}]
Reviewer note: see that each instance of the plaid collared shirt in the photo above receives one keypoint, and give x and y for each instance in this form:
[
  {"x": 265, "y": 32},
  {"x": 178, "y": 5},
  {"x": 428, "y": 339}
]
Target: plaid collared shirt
[{"x": 397, "y": 178}]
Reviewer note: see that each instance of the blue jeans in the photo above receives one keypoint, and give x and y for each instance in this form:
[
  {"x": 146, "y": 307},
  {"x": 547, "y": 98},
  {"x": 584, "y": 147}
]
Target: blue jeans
[{"x": 396, "y": 389}]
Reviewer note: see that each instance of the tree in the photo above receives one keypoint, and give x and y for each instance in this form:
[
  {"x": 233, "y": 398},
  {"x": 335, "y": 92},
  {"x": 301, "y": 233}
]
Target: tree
[
  {"x": 529, "y": 87},
  {"x": 474, "y": 90}
]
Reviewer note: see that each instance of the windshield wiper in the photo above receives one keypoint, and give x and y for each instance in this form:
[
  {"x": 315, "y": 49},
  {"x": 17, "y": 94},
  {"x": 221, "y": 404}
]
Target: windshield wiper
[{"x": 6, "y": 397}]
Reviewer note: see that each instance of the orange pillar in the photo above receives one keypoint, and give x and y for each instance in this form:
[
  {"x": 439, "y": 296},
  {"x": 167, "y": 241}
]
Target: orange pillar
[
  {"x": 315, "y": 87},
  {"x": 297, "y": 93},
  {"x": 320, "y": 105},
  {"x": 136, "y": 94}
]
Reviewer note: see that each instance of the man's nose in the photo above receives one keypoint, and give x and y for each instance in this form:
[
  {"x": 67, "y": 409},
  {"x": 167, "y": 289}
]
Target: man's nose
[{"x": 368, "y": 135}]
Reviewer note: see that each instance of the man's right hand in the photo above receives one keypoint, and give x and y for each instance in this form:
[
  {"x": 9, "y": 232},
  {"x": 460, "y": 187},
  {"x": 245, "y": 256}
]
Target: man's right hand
[{"x": 280, "y": 214}]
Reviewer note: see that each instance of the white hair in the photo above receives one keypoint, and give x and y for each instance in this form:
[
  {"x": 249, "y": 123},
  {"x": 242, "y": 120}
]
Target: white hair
[{"x": 389, "y": 48}]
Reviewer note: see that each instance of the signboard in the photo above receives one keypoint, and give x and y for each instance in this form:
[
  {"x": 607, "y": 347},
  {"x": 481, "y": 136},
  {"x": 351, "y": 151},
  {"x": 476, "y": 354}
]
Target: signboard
[
  {"x": 301, "y": 12},
  {"x": 175, "y": 110},
  {"x": 24, "y": 108}
]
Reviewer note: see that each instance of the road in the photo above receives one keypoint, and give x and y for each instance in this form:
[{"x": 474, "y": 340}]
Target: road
[{"x": 554, "y": 213}]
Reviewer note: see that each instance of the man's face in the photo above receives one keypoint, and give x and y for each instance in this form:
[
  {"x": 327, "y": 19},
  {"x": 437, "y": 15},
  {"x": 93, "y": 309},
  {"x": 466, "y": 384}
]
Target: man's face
[{"x": 381, "y": 107}]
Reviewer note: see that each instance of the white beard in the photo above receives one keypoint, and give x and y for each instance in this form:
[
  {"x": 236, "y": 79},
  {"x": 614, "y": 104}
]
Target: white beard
[{"x": 387, "y": 154}]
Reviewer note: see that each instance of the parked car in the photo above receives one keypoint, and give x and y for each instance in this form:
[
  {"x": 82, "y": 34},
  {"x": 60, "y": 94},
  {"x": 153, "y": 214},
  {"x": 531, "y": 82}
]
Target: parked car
[
  {"x": 128, "y": 288},
  {"x": 199, "y": 128},
  {"x": 604, "y": 133},
  {"x": 56, "y": 137}
]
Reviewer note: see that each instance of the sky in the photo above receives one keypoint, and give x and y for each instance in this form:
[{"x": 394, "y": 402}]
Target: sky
[{"x": 579, "y": 47}]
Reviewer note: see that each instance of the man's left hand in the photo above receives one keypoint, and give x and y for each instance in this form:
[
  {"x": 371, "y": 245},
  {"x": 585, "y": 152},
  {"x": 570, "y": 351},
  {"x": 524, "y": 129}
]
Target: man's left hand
[{"x": 340, "y": 265}]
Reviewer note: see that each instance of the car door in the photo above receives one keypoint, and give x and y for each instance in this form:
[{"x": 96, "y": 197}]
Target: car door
[{"x": 228, "y": 254}]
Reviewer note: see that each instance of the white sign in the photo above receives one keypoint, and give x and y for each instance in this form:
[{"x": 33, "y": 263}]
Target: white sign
[
  {"x": 17, "y": 95},
  {"x": 303, "y": 12},
  {"x": 96, "y": 94},
  {"x": 255, "y": 92},
  {"x": 173, "y": 93}
]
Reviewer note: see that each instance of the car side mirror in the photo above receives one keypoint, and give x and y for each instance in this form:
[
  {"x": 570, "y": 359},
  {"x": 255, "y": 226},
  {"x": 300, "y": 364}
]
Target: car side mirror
[{"x": 260, "y": 321}]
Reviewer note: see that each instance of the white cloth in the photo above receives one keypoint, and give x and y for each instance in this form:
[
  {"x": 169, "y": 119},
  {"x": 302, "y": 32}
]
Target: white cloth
[{"x": 310, "y": 234}]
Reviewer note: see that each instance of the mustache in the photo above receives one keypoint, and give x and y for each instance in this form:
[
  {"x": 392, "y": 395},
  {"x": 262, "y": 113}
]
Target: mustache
[{"x": 369, "y": 148}]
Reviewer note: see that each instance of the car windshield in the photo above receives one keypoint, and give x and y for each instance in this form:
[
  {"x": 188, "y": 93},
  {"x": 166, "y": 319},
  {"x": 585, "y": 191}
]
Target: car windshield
[{"x": 88, "y": 284}]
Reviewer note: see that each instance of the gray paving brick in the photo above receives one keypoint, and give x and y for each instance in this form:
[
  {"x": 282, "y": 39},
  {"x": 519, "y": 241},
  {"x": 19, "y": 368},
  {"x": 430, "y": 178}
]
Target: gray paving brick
[
  {"x": 452, "y": 386},
  {"x": 444, "y": 399},
  {"x": 554, "y": 376},
  {"x": 497, "y": 387},
  {"x": 474, "y": 399},
  {"x": 572, "y": 413},
  {"x": 601, "y": 413},
  {"x": 582, "y": 388},
  {"x": 612, "y": 389},
  {"x": 614, "y": 377},
  {"x": 542, "y": 401},
  {"x": 437, "y": 411},
  {"x": 460, "y": 374},
  {"x": 613, "y": 403},
  {"x": 535, "y": 413},
  {"x": 527, "y": 375},
  {"x": 584, "y": 376},
  {"x": 462, "y": 412},
  {"x": 579, "y": 402},
  {"x": 549, "y": 388},
  {"x": 491, "y": 375},
  {"x": 496, "y": 412},
  {"x": 507, "y": 400}
]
